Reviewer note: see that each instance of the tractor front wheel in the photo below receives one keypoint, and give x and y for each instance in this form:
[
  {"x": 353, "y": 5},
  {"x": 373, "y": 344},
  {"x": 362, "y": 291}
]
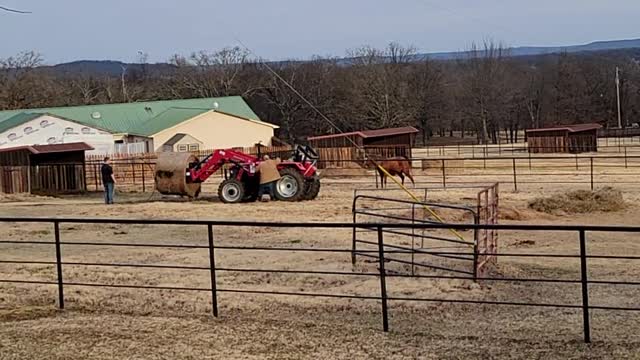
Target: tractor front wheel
[
  {"x": 231, "y": 191},
  {"x": 291, "y": 185},
  {"x": 311, "y": 188}
]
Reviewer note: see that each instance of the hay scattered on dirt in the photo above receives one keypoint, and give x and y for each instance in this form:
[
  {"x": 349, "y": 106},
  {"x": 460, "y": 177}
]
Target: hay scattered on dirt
[
  {"x": 6, "y": 198},
  {"x": 605, "y": 199}
]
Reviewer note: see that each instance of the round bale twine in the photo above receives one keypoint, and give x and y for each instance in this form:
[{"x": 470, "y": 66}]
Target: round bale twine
[{"x": 170, "y": 174}]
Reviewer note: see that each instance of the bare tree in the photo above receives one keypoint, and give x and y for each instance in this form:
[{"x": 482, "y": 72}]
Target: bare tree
[
  {"x": 427, "y": 94},
  {"x": 484, "y": 87}
]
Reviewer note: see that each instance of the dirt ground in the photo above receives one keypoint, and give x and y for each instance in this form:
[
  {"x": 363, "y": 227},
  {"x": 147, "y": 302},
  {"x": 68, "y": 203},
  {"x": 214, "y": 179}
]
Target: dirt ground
[{"x": 105, "y": 323}]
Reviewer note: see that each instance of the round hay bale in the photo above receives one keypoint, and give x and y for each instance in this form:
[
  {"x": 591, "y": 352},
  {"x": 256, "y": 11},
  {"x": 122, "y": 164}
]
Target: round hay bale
[{"x": 171, "y": 177}]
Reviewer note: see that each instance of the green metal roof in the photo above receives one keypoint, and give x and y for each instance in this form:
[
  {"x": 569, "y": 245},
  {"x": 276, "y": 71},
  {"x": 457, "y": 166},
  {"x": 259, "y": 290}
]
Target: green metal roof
[
  {"x": 17, "y": 120},
  {"x": 134, "y": 117},
  {"x": 165, "y": 120}
]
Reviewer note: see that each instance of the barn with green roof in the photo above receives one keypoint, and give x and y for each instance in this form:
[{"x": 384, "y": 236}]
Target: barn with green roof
[{"x": 140, "y": 126}]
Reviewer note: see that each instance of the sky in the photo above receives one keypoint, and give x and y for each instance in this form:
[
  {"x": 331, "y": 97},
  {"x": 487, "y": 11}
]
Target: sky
[{"x": 68, "y": 30}]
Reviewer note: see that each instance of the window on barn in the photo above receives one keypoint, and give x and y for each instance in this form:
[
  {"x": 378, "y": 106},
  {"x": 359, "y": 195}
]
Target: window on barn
[
  {"x": 194, "y": 147},
  {"x": 183, "y": 148}
]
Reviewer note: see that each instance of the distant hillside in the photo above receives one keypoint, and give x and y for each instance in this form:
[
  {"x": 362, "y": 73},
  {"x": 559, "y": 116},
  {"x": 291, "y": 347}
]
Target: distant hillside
[
  {"x": 542, "y": 50},
  {"x": 108, "y": 67}
]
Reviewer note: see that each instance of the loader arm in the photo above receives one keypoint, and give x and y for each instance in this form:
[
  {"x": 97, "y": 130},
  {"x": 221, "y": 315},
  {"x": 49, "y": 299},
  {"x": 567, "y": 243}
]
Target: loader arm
[{"x": 212, "y": 163}]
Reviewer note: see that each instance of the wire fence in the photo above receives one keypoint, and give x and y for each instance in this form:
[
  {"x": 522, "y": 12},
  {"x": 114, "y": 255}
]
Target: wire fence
[
  {"x": 215, "y": 251},
  {"x": 517, "y": 172},
  {"x": 629, "y": 145}
]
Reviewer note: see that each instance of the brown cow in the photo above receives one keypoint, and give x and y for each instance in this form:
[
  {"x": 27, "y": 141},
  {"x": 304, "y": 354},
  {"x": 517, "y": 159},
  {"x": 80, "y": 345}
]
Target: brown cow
[{"x": 395, "y": 166}]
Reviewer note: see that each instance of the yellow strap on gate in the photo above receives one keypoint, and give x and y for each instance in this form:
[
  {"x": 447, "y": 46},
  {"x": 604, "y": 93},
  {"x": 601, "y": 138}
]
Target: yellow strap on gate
[{"x": 457, "y": 234}]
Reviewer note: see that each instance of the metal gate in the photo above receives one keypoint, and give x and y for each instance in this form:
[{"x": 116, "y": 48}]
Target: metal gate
[
  {"x": 414, "y": 249},
  {"x": 479, "y": 246},
  {"x": 487, "y": 241}
]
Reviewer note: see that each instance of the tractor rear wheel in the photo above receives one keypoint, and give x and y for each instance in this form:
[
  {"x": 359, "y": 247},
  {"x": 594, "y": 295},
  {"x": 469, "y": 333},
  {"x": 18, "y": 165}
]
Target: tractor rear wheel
[
  {"x": 231, "y": 191},
  {"x": 291, "y": 185},
  {"x": 311, "y": 188}
]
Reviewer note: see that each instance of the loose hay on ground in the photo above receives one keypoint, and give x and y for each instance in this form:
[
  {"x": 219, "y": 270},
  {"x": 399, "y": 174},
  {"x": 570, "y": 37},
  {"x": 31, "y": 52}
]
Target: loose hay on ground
[{"x": 605, "y": 199}]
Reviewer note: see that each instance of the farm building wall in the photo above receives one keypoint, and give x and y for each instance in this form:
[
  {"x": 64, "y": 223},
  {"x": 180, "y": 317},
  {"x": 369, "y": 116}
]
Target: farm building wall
[
  {"x": 339, "y": 151},
  {"x": 187, "y": 143},
  {"x": 47, "y": 173},
  {"x": 337, "y": 142},
  {"x": 15, "y": 158},
  {"x": 71, "y": 157},
  {"x": 219, "y": 131},
  {"x": 47, "y": 129},
  {"x": 548, "y": 141},
  {"x": 562, "y": 141},
  {"x": 586, "y": 141},
  {"x": 14, "y": 176},
  {"x": 394, "y": 140}
]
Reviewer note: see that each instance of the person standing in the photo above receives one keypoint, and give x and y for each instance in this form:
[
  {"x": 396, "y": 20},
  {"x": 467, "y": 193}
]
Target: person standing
[
  {"x": 269, "y": 175},
  {"x": 108, "y": 180}
]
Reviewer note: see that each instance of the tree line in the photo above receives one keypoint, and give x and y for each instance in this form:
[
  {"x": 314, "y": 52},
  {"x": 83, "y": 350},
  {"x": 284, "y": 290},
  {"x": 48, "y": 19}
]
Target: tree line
[{"x": 482, "y": 95}]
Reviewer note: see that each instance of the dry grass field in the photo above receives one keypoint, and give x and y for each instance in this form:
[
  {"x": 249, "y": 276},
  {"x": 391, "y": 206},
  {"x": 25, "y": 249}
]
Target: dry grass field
[{"x": 105, "y": 323}]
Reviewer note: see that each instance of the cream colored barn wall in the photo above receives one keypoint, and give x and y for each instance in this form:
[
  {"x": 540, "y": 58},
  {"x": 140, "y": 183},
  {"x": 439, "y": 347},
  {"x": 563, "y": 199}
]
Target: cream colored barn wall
[
  {"x": 218, "y": 131},
  {"x": 187, "y": 140},
  {"x": 48, "y": 129}
]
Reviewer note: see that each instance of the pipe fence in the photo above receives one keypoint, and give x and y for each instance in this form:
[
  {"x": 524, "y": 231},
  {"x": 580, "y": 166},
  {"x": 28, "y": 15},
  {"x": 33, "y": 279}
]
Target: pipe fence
[
  {"x": 382, "y": 250},
  {"x": 589, "y": 171}
]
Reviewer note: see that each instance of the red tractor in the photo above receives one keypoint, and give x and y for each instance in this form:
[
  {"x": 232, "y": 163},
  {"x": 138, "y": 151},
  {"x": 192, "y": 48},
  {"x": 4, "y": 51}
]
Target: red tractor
[{"x": 299, "y": 179}]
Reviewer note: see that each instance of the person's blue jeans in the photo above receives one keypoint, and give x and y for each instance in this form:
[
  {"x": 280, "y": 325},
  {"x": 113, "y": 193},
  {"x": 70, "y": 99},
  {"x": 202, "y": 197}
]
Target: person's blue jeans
[
  {"x": 267, "y": 188},
  {"x": 108, "y": 193}
]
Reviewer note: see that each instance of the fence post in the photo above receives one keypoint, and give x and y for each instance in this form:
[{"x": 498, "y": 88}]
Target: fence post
[
  {"x": 144, "y": 186},
  {"x": 591, "y": 165},
  {"x": 84, "y": 174},
  {"x": 212, "y": 271},
  {"x": 625, "y": 157},
  {"x": 413, "y": 240},
  {"x": 444, "y": 175},
  {"x": 383, "y": 284},
  {"x": 476, "y": 220},
  {"x": 619, "y": 146},
  {"x": 133, "y": 174},
  {"x": 56, "y": 231},
  {"x": 585, "y": 288},
  {"x": 515, "y": 179},
  {"x": 577, "y": 168},
  {"x": 95, "y": 175},
  {"x": 529, "y": 159},
  {"x": 354, "y": 239}
]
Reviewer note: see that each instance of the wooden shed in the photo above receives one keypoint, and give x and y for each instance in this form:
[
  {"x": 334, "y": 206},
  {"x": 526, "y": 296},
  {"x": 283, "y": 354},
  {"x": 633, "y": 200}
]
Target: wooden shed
[
  {"x": 43, "y": 169},
  {"x": 564, "y": 139},
  {"x": 385, "y": 142}
]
